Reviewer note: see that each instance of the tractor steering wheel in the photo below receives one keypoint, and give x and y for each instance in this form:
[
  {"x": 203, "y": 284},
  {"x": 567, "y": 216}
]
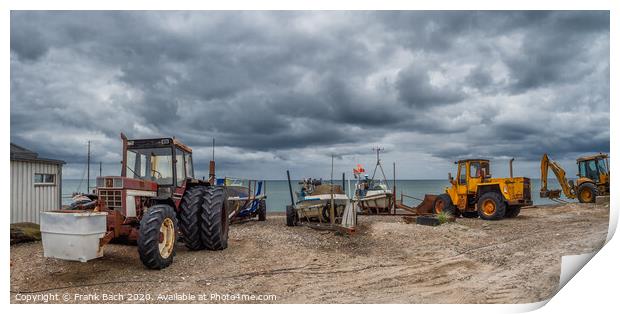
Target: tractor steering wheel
[{"x": 159, "y": 173}]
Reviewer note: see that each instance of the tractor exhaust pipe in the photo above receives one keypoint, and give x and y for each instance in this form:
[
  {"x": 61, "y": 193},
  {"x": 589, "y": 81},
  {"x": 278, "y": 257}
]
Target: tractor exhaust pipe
[
  {"x": 212, "y": 171},
  {"x": 290, "y": 188},
  {"x": 511, "y": 160},
  {"x": 212, "y": 164}
]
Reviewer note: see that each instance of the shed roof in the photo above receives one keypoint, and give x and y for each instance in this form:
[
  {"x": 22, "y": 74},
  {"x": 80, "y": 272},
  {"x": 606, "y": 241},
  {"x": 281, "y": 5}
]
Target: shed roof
[{"x": 24, "y": 154}]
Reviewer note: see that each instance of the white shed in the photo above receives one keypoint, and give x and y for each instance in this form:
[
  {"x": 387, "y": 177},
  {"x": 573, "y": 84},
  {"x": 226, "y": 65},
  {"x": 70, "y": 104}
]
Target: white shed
[{"x": 35, "y": 184}]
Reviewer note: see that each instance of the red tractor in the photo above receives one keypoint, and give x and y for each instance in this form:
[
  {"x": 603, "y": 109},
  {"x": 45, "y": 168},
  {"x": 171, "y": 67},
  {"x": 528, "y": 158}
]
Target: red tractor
[{"x": 158, "y": 197}]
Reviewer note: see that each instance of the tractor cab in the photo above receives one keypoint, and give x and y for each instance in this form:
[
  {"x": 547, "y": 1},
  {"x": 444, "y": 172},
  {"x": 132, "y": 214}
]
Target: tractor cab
[
  {"x": 595, "y": 168},
  {"x": 165, "y": 161}
]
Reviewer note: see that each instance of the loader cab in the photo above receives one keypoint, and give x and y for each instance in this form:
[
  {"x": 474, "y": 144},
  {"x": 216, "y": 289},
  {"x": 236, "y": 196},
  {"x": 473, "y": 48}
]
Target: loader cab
[
  {"x": 595, "y": 168},
  {"x": 165, "y": 161},
  {"x": 470, "y": 173}
]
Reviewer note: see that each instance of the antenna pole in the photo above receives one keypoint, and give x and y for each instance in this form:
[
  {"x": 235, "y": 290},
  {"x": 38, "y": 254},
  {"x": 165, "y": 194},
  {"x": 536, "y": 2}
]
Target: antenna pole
[{"x": 100, "y": 167}]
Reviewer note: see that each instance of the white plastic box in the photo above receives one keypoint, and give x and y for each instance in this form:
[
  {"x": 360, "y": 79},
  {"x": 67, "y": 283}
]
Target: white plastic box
[{"x": 73, "y": 235}]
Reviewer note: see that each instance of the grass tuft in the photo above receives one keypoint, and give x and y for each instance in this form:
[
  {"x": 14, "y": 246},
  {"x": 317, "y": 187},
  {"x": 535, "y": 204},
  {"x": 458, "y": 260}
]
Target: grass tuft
[{"x": 443, "y": 217}]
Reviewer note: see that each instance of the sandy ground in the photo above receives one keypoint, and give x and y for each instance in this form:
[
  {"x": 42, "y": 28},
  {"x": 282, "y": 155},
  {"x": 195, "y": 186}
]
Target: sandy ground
[{"x": 386, "y": 261}]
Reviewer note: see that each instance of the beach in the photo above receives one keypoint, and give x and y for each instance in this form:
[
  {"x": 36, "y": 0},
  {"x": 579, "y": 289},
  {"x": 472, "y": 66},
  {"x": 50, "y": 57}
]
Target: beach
[{"x": 385, "y": 261}]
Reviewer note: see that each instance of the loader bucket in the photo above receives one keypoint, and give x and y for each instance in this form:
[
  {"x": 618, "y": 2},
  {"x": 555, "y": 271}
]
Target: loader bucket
[{"x": 426, "y": 207}]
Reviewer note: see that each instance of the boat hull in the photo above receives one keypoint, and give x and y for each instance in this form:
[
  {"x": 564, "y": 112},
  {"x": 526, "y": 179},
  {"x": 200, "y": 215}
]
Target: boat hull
[{"x": 374, "y": 203}]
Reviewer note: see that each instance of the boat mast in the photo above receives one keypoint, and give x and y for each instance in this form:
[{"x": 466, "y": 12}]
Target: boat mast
[
  {"x": 378, "y": 165},
  {"x": 331, "y": 207},
  {"x": 88, "y": 170}
]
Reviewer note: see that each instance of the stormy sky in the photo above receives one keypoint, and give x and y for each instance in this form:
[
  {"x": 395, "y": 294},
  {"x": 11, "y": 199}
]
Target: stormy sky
[{"x": 287, "y": 90}]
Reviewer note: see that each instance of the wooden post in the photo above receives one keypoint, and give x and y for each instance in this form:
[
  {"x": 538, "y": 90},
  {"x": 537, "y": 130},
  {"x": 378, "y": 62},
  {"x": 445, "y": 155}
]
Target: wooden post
[
  {"x": 290, "y": 188},
  {"x": 394, "y": 188}
]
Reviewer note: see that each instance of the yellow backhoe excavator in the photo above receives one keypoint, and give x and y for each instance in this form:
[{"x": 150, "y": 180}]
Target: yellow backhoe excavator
[{"x": 592, "y": 179}]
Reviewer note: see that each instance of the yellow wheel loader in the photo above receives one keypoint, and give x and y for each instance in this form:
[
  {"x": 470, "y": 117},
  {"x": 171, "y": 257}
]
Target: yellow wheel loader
[
  {"x": 474, "y": 193},
  {"x": 592, "y": 178}
]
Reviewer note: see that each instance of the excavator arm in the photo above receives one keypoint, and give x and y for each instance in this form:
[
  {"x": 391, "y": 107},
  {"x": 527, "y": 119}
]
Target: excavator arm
[{"x": 560, "y": 174}]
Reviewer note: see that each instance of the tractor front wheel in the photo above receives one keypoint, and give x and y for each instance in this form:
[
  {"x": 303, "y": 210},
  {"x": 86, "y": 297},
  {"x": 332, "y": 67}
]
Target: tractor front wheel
[
  {"x": 262, "y": 210},
  {"x": 214, "y": 219},
  {"x": 157, "y": 237},
  {"x": 443, "y": 204},
  {"x": 587, "y": 192},
  {"x": 189, "y": 217},
  {"x": 491, "y": 206}
]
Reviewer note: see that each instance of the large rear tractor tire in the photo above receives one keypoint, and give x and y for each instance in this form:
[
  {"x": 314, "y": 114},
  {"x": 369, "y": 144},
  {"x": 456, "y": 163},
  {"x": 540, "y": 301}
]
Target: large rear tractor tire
[
  {"x": 491, "y": 206},
  {"x": 512, "y": 211},
  {"x": 291, "y": 216},
  {"x": 587, "y": 192},
  {"x": 443, "y": 203},
  {"x": 214, "y": 219},
  {"x": 190, "y": 217},
  {"x": 157, "y": 238},
  {"x": 262, "y": 210}
]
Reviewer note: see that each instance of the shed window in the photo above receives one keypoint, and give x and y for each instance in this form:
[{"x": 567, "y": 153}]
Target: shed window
[{"x": 44, "y": 178}]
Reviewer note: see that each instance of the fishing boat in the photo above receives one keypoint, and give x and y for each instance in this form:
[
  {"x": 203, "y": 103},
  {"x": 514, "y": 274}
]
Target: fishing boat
[
  {"x": 373, "y": 194},
  {"x": 316, "y": 194}
]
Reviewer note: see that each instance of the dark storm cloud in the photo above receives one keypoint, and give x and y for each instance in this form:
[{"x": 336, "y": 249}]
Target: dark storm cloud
[
  {"x": 281, "y": 86},
  {"x": 415, "y": 89}
]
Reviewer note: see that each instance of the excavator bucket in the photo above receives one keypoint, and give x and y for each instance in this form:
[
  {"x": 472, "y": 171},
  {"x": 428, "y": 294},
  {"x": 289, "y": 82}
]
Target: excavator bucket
[
  {"x": 426, "y": 207},
  {"x": 550, "y": 193}
]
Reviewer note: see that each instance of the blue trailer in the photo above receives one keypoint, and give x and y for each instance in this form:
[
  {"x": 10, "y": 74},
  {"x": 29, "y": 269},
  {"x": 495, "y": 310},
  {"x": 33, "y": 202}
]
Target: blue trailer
[{"x": 246, "y": 198}]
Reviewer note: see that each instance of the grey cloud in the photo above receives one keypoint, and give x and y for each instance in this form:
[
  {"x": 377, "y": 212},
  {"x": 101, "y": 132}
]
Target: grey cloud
[
  {"x": 273, "y": 84},
  {"x": 415, "y": 89}
]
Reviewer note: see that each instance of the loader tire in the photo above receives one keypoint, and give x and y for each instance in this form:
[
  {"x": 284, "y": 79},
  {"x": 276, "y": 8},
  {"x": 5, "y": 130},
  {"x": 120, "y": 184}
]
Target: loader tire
[
  {"x": 512, "y": 211},
  {"x": 443, "y": 203},
  {"x": 491, "y": 206},
  {"x": 291, "y": 216},
  {"x": 470, "y": 214},
  {"x": 214, "y": 219},
  {"x": 587, "y": 192},
  {"x": 157, "y": 236},
  {"x": 190, "y": 217},
  {"x": 262, "y": 210}
]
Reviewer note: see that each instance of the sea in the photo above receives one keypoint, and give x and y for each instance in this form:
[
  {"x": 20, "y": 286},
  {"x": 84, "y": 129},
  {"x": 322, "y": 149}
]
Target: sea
[{"x": 278, "y": 195}]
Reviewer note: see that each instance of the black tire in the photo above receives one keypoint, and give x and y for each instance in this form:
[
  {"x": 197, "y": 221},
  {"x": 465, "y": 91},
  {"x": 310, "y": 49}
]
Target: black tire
[
  {"x": 214, "y": 219},
  {"x": 190, "y": 217},
  {"x": 262, "y": 210},
  {"x": 499, "y": 206},
  {"x": 512, "y": 211},
  {"x": 149, "y": 237},
  {"x": 587, "y": 192},
  {"x": 471, "y": 214},
  {"x": 291, "y": 216},
  {"x": 443, "y": 203}
]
